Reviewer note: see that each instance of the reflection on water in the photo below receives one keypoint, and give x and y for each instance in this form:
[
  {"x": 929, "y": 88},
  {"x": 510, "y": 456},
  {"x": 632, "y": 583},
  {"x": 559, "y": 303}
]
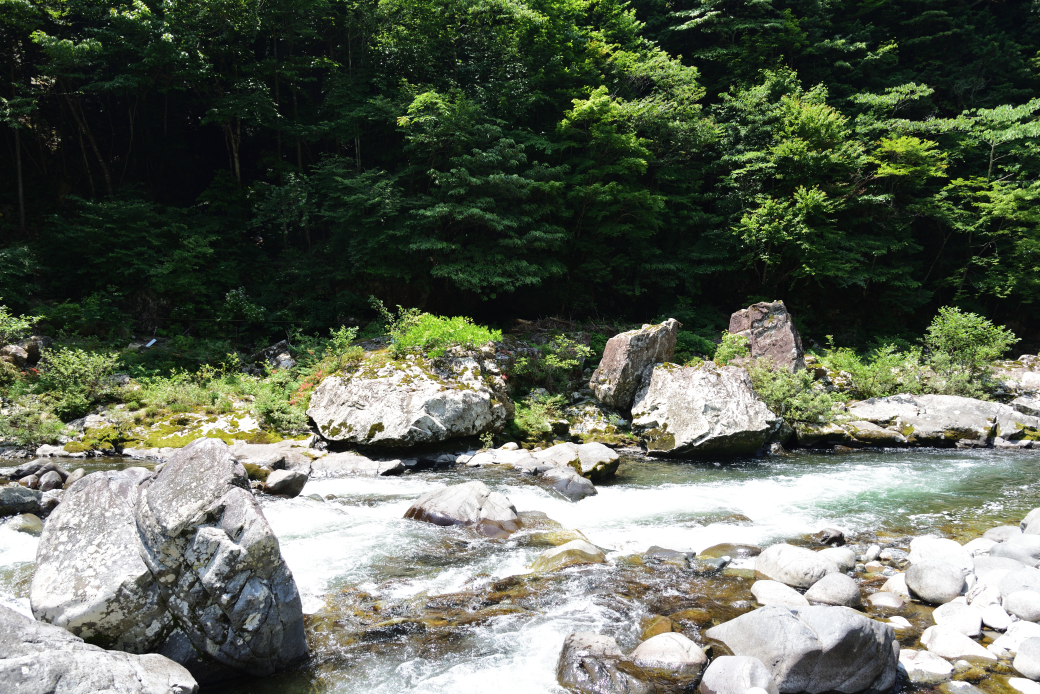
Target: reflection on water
[{"x": 358, "y": 544}]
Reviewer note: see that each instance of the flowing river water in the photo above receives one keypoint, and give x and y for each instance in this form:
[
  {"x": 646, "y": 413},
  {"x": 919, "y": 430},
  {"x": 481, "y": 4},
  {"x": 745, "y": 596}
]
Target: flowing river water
[{"x": 396, "y": 605}]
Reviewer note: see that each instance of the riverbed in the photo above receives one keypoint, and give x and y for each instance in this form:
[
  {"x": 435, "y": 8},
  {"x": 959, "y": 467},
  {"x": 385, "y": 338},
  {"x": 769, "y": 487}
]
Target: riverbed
[{"x": 399, "y": 606}]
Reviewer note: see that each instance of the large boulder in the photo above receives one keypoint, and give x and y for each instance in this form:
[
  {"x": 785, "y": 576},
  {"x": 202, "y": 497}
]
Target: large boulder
[
  {"x": 593, "y": 664},
  {"x": 771, "y": 334},
  {"x": 946, "y": 420},
  {"x": 470, "y": 504},
  {"x": 39, "y": 658},
  {"x": 593, "y": 461},
  {"x": 835, "y": 589},
  {"x": 815, "y": 649},
  {"x": 181, "y": 562},
  {"x": 90, "y": 577},
  {"x": 795, "y": 566},
  {"x": 735, "y": 674},
  {"x": 1021, "y": 376},
  {"x": 776, "y": 593},
  {"x": 412, "y": 401},
  {"x": 671, "y": 652},
  {"x": 626, "y": 360},
  {"x": 217, "y": 563},
  {"x": 953, "y": 645},
  {"x": 568, "y": 483},
  {"x": 348, "y": 464},
  {"x": 1024, "y": 548},
  {"x": 701, "y": 410},
  {"x": 928, "y": 548}
]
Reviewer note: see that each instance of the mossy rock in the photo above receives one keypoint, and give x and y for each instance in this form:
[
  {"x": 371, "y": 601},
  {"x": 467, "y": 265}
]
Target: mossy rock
[{"x": 257, "y": 472}]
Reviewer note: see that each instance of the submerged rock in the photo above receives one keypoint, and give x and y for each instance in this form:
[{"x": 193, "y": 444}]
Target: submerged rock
[
  {"x": 410, "y": 402},
  {"x": 626, "y": 360},
  {"x": 735, "y": 674},
  {"x": 568, "y": 483},
  {"x": 815, "y": 649},
  {"x": 569, "y": 554},
  {"x": 38, "y": 658},
  {"x": 698, "y": 410},
  {"x": 593, "y": 664},
  {"x": 771, "y": 334}
]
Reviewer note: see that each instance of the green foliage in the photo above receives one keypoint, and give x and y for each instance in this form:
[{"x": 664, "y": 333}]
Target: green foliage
[
  {"x": 965, "y": 344},
  {"x": 13, "y": 327},
  {"x": 274, "y": 407},
  {"x": 76, "y": 380},
  {"x": 690, "y": 346},
  {"x": 732, "y": 347},
  {"x": 884, "y": 371},
  {"x": 434, "y": 334},
  {"x": 558, "y": 360},
  {"x": 31, "y": 425},
  {"x": 535, "y": 414},
  {"x": 793, "y": 396}
]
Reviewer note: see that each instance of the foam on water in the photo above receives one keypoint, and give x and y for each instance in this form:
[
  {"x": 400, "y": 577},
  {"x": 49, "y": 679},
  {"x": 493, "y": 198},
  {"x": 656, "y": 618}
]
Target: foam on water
[{"x": 17, "y": 555}]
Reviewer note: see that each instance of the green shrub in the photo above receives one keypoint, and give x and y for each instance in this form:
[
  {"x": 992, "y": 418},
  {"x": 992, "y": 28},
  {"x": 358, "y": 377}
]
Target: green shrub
[
  {"x": 13, "y": 327},
  {"x": 792, "y": 396},
  {"x": 413, "y": 329},
  {"x": 274, "y": 405},
  {"x": 30, "y": 425},
  {"x": 534, "y": 415},
  {"x": 732, "y": 347},
  {"x": 965, "y": 343},
  {"x": 691, "y": 346},
  {"x": 885, "y": 371},
  {"x": 76, "y": 380},
  {"x": 557, "y": 361}
]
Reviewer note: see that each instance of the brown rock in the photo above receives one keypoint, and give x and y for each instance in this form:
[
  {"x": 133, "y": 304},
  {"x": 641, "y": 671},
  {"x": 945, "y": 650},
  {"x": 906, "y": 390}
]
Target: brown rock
[
  {"x": 771, "y": 333},
  {"x": 626, "y": 360}
]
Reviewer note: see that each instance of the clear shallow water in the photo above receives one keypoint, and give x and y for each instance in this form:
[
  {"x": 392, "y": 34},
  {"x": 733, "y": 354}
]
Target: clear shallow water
[{"x": 360, "y": 542}]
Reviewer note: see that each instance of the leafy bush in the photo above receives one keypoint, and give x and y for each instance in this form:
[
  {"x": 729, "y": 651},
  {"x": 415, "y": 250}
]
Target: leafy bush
[
  {"x": 691, "y": 346},
  {"x": 30, "y": 426},
  {"x": 274, "y": 405},
  {"x": 434, "y": 334},
  {"x": 534, "y": 415},
  {"x": 792, "y": 396},
  {"x": 76, "y": 380},
  {"x": 557, "y": 360},
  {"x": 965, "y": 343},
  {"x": 885, "y": 371},
  {"x": 13, "y": 327},
  {"x": 732, "y": 347}
]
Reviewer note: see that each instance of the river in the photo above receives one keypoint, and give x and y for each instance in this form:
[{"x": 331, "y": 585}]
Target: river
[{"x": 358, "y": 561}]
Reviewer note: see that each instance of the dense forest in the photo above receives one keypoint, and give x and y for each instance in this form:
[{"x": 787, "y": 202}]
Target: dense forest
[{"x": 236, "y": 166}]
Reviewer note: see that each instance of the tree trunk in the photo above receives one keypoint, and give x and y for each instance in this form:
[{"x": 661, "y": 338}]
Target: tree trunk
[{"x": 21, "y": 193}]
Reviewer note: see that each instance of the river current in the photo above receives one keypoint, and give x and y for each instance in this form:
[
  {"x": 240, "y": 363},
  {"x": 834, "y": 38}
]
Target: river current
[{"x": 354, "y": 555}]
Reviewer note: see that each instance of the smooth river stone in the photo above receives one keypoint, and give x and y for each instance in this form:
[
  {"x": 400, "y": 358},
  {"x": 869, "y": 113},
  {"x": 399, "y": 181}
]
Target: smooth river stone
[
  {"x": 886, "y": 599},
  {"x": 835, "y": 589},
  {"x": 1024, "y": 604},
  {"x": 795, "y": 566},
  {"x": 672, "y": 652},
  {"x": 959, "y": 617},
  {"x": 936, "y": 582},
  {"x": 737, "y": 674},
  {"x": 1002, "y": 533},
  {"x": 1027, "y": 660},
  {"x": 953, "y": 645},
  {"x": 776, "y": 593},
  {"x": 934, "y": 549},
  {"x": 924, "y": 668}
]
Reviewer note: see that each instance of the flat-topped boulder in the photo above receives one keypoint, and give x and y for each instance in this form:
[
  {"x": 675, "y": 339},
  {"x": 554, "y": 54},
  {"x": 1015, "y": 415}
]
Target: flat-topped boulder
[
  {"x": 412, "y": 401},
  {"x": 627, "y": 358},
  {"x": 771, "y": 334},
  {"x": 39, "y": 658},
  {"x": 701, "y": 410},
  {"x": 946, "y": 420}
]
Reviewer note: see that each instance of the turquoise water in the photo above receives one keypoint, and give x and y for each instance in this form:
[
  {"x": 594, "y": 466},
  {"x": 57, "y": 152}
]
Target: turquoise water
[{"x": 359, "y": 541}]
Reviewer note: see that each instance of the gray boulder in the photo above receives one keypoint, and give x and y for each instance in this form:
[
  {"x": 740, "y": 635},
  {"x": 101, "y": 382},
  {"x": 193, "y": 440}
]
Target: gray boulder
[
  {"x": 1014, "y": 581},
  {"x": 1024, "y": 604},
  {"x": 671, "y": 652},
  {"x": 924, "y": 668},
  {"x": 945, "y": 420},
  {"x": 959, "y": 617},
  {"x": 795, "y": 566},
  {"x": 815, "y": 649},
  {"x": 1032, "y": 516},
  {"x": 285, "y": 483},
  {"x": 626, "y": 360},
  {"x": 18, "y": 499},
  {"x": 210, "y": 550},
  {"x": 953, "y": 645},
  {"x": 1027, "y": 660},
  {"x": 771, "y": 334},
  {"x": 1002, "y": 533},
  {"x": 412, "y": 401},
  {"x": 936, "y": 582},
  {"x": 38, "y": 658},
  {"x": 928, "y": 548},
  {"x": 1028, "y": 404},
  {"x": 593, "y": 664},
  {"x": 988, "y": 564},
  {"x": 92, "y": 538},
  {"x": 776, "y": 593},
  {"x": 472, "y": 504},
  {"x": 835, "y": 589},
  {"x": 568, "y": 483},
  {"x": 1024, "y": 548},
  {"x": 735, "y": 674},
  {"x": 701, "y": 410},
  {"x": 349, "y": 464},
  {"x": 591, "y": 460}
]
